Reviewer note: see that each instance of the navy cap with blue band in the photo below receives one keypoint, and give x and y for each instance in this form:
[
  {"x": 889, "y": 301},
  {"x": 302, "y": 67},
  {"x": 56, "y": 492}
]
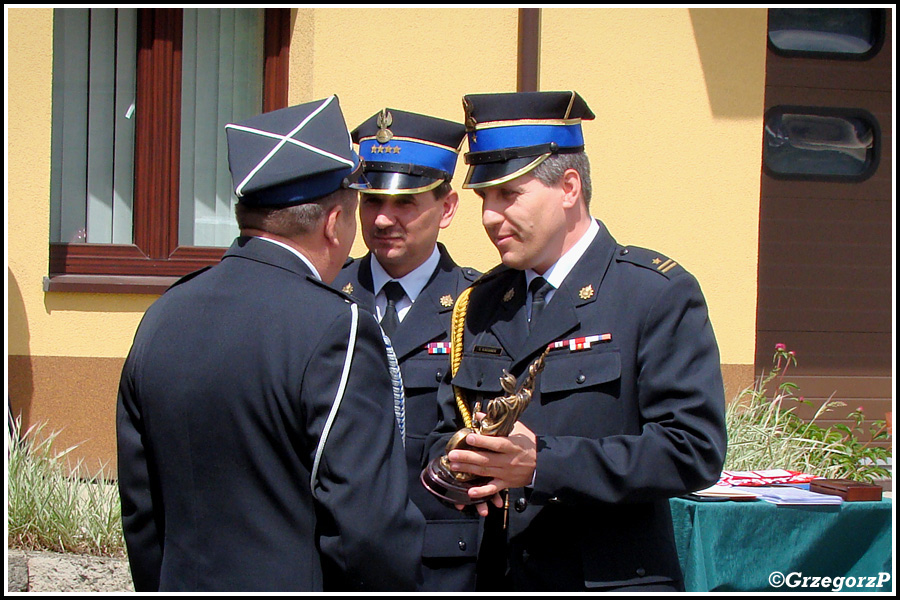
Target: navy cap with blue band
[
  {"x": 512, "y": 133},
  {"x": 407, "y": 153}
]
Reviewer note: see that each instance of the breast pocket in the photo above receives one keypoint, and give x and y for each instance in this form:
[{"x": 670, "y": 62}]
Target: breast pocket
[
  {"x": 574, "y": 371},
  {"x": 421, "y": 378},
  {"x": 579, "y": 395},
  {"x": 481, "y": 373}
]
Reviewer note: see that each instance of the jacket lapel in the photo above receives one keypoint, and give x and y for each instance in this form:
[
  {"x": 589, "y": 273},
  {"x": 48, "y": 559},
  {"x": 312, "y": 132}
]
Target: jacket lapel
[
  {"x": 510, "y": 325},
  {"x": 579, "y": 289},
  {"x": 362, "y": 291},
  {"x": 427, "y": 319}
]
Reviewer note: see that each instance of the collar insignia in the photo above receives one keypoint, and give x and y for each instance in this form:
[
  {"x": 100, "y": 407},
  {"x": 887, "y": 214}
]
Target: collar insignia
[
  {"x": 509, "y": 295},
  {"x": 347, "y": 289},
  {"x": 447, "y": 301},
  {"x": 586, "y": 292}
]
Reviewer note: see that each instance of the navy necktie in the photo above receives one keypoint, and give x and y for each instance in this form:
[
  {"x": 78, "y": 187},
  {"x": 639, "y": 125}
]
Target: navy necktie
[
  {"x": 394, "y": 293},
  {"x": 538, "y": 289}
]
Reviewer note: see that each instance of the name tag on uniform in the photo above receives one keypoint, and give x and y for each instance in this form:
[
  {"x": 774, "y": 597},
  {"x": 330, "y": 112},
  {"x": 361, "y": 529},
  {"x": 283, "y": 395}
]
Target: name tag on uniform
[
  {"x": 438, "y": 348},
  {"x": 488, "y": 350},
  {"x": 579, "y": 343}
]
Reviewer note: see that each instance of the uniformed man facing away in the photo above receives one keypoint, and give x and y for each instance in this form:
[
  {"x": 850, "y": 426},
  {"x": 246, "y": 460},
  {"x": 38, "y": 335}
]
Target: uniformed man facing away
[
  {"x": 410, "y": 282},
  {"x": 629, "y": 408},
  {"x": 257, "y": 442}
]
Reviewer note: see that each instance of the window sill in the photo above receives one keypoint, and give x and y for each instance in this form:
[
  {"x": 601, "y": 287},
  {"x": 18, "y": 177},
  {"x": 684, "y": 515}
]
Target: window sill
[{"x": 108, "y": 284}]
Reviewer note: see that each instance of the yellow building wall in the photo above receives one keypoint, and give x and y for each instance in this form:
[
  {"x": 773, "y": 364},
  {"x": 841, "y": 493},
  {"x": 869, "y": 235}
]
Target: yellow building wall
[
  {"x": 675, "y": 152},
  {"x": 420, "y": 60},
  {"x": 675, "y": 149}
]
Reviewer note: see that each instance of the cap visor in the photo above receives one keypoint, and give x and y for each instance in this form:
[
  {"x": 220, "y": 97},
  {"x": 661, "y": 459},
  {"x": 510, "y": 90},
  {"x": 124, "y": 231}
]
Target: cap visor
[
  {"x": 386, "y": 182},
  {"x": 488, "y": 174}
]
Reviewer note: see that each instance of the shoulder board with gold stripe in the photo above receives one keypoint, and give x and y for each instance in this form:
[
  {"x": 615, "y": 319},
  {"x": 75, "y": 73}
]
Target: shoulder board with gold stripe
[{"x": 649, "y": 259}]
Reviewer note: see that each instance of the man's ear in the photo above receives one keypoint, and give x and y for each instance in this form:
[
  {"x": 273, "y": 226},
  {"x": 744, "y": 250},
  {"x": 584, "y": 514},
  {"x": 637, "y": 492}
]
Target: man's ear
[
  {"x": 449, "y": 204},
  {"x": 571, "y": 187},
  {"x": 331, "y": 221}
]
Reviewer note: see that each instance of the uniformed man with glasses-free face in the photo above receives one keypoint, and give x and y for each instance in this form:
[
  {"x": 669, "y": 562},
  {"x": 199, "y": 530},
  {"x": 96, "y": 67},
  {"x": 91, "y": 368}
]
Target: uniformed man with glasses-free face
[
  {"x": 410, "y": 282},
  {"x": 628, "y": 411}
]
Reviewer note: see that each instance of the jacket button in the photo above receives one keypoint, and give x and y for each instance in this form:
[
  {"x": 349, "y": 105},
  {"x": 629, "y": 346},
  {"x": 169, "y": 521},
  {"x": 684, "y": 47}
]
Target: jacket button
[
  {"x": 581, "y": 378},
  {"x": 439, "y": 375},
  {"x": 554, "y": 500},
  {"x": 624, "y": 251},
  {"x": 521, "y": 504},
  {"x": 462, "y": 546},
  {"x": 641, "y": 572},
  {"x": 479, "y": 382},
  {"x": 525, "y": 556}
]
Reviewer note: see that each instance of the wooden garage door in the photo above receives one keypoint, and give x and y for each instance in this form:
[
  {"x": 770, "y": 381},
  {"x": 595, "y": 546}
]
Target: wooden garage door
[{"x": 826, "y": 250}]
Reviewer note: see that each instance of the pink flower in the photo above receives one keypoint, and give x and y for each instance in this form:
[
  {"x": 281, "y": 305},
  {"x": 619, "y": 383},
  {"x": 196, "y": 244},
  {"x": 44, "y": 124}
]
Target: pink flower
[
  {"x": 859, "y": 409},
  {"x": 780, "y": 347}
]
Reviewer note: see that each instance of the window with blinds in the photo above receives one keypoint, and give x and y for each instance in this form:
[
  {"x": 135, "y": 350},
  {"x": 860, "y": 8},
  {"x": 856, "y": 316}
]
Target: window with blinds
[{"x": 94, "y": 95}]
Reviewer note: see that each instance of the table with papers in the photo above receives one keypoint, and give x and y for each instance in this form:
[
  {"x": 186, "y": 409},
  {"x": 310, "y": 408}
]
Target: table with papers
[{"x": 747, "y": 546}]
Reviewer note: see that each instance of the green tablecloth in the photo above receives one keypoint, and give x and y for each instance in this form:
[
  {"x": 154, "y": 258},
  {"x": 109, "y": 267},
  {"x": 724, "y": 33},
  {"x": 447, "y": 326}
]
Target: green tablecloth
[{"x": 737, "y": 546}]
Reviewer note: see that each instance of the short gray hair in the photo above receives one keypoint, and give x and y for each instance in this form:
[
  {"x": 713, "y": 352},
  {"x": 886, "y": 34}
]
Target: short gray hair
[
  {"x": 292, "y": 221},
  {"x": 550, "y": 172}
]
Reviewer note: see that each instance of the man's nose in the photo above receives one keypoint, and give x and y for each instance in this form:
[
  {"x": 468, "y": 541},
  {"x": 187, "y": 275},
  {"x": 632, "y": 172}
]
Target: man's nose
[
  {"x": 384, "y": 219},
  {"x": 490, "y": 215}
]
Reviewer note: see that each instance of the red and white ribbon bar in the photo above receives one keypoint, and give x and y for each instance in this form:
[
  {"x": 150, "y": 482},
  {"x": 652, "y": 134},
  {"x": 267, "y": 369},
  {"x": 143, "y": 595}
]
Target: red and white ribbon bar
[{"x": 580, "y": 343}]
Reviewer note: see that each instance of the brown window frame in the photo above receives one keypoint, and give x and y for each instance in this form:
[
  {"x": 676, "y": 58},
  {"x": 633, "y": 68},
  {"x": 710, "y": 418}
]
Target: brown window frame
[{"x": 155, "y": 258}]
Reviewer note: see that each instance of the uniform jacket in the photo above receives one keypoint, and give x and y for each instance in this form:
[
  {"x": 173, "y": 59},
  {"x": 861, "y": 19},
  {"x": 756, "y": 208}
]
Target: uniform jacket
[
  {"x": 622, "y": 425},
  {"x": 223, "y": 403},
  {"x": 451, "y": 537}
]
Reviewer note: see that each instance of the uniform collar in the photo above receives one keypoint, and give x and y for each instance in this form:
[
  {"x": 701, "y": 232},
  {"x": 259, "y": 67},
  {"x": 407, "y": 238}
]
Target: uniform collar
[
  {"x": 556, "y": 274},
  {"x": 413, "y": 282},
  {"x": 309, "y": 264}
]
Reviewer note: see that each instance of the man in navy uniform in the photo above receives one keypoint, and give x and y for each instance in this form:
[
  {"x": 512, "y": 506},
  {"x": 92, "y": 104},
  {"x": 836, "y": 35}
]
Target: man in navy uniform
[
  {"x": 410, "y": 282},
  {"x": 629, "y": 408},
  {"x": 257, "y": 442}
]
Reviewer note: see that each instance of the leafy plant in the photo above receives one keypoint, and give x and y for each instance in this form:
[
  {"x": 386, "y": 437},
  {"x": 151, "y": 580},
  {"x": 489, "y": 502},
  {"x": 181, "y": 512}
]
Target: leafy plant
[
  {"x": 765, "y": 433},
  {"x": 48, "y": 508}
]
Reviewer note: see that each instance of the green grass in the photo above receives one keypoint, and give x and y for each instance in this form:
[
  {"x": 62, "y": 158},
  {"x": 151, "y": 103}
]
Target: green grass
[
  {"x": 48, "y": 508},
  {"x": 765, "y": 433}
]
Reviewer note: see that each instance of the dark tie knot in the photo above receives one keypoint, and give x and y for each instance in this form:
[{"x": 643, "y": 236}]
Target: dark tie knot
[
  {"x": 393, "y": 291},
  {"x": 539, "y": 288}
]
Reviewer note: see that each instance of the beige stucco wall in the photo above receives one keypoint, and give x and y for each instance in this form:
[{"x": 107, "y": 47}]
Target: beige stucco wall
[
  {"x": 420, "y": 60},
  {"x": 675, "y": 148},
  {"x": 95, "y": 325}
]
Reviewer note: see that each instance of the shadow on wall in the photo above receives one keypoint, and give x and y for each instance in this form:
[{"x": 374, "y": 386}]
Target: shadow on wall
[
  {"x": 732, "y": 47},
  {"x": 21, "y": 377}
]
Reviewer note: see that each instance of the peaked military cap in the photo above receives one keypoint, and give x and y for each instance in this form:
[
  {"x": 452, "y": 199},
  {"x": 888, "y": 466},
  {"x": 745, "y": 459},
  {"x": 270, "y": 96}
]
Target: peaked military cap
[
  {"x": 407, "y": 152},
  {"x": 511, "y": 134},
  {"x": 291, "y": 156}
]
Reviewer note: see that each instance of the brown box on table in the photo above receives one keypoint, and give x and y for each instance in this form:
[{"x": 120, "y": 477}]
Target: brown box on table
[{"x": 849, "y": 490}]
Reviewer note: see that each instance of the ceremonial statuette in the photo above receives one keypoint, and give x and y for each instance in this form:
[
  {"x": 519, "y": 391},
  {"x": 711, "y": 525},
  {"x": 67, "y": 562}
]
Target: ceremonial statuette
[{"x": 501, "y": 415}]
